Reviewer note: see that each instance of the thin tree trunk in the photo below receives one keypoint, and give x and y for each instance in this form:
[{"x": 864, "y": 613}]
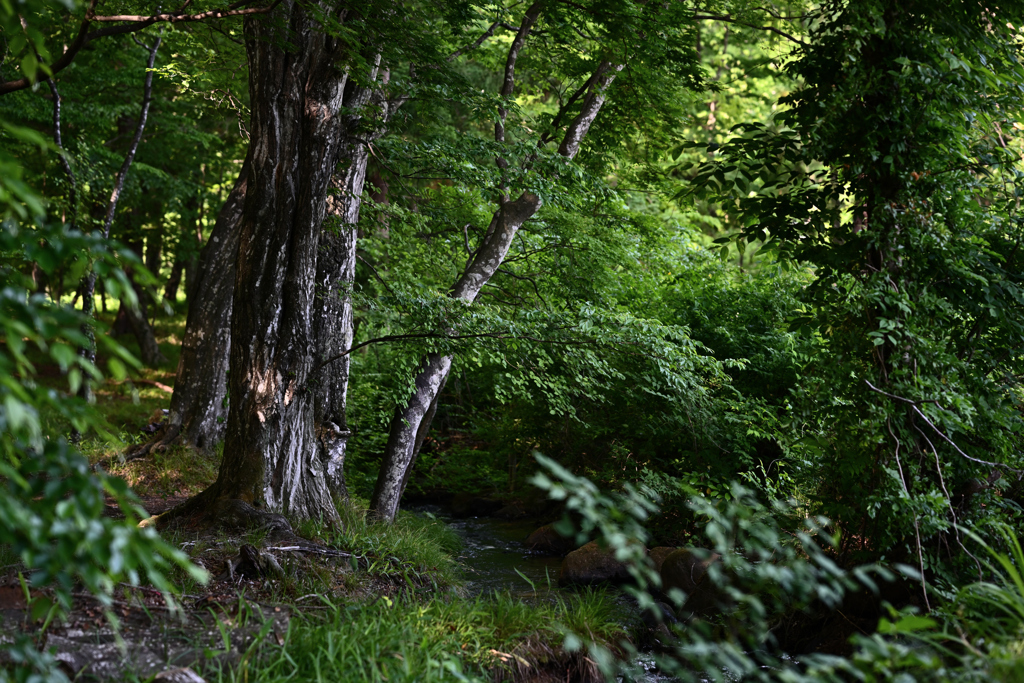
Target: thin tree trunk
[
  {"x": 154, "y": 252},
  {"x": 173, "y": 282},
  {"x": 149, "y": 349},
  {"x": 134, "y": 319},
  {"x": 87, "y": 288},
  {"x": 411, "y": 421}
]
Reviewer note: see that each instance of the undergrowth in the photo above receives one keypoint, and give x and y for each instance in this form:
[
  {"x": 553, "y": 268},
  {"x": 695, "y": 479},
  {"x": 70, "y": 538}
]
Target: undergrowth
[
  {"x": 414, "y": 543},
  {"x": 487, "y": 638}
]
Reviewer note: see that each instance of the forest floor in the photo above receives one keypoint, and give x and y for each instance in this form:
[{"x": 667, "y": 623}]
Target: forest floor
[{"x": 402, "y": 583}]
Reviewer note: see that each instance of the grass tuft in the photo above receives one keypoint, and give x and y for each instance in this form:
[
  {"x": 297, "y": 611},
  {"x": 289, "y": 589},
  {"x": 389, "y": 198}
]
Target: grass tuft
[{"x": 487, "y": 638}]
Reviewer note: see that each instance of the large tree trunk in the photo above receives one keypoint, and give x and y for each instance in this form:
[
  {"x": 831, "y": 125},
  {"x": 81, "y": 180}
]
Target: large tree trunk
[
  {"x": 271, "y": 460},
  {"x": 336, "y": 267},
  {"x": 411, "y": 421},
  {"x": 198, "y": 408}
]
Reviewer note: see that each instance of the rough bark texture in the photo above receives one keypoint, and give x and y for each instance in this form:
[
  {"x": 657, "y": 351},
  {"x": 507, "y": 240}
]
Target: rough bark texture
[
  {"x": 367, "y": 114},
  {"x": 335, "y": 273},
  {"x": 199, "y": 411},
  {"x": 412, "y": 420},
  {"x": 296, "y": 88},
  {"x": 199, "y": 408}
]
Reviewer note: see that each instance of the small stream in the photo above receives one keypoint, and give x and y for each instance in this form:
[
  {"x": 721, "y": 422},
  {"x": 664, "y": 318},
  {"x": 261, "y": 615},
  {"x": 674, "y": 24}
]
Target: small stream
[{"x": 496, "y": 560}]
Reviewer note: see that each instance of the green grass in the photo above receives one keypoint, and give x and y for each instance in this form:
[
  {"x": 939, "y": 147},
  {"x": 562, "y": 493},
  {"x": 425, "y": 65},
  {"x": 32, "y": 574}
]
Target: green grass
[
  {"x": 417, "y": 546},
  {"x": 398, "y": 639}
]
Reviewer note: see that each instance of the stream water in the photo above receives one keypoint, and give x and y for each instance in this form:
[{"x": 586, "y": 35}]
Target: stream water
[{"x": 495, "y": 559}]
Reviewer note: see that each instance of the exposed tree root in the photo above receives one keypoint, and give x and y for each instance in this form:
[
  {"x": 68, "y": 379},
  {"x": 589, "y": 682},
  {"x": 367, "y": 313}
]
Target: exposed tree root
[
  {"x": 168, "y": 435},
  {"x": 209, "y": 511}
]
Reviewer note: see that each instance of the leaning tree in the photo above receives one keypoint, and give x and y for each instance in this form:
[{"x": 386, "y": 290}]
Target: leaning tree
[{"x": 636, "y": 53}]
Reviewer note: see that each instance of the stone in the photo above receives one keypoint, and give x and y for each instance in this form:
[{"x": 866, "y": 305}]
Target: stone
[
  {"x": 591, "y": 565},
  {"x": 183, "y": 675},
  {"x": 547, "y": 541},
  {"x": 512, "y": 511},
  {"x": 658, "y": 556},
  {"x": 686, "y": 569}
]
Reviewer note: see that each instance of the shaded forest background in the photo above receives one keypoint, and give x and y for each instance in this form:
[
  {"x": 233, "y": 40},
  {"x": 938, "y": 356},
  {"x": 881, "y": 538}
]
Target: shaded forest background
[{"x": 783, "y": 252}]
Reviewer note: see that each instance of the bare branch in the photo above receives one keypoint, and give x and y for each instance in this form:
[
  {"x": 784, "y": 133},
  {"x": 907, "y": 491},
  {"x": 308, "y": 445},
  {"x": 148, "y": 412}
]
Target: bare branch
[
  {"x": 914, "y": 407},
  {"x": 147, "y": 98},
  {"x": 174, "y": 17},
  {"x": 130, "y": 23},
  {"x": 65, "y": 164},
  {"x": 917, "y": 526}
]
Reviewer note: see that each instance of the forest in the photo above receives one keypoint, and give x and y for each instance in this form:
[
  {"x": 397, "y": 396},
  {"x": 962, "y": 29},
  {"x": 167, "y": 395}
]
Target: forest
[{"x": 518, "y": 340}]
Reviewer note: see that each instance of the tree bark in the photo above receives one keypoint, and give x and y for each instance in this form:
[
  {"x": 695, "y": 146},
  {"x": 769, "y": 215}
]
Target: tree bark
[
  {"x": 199, "y": 411},
  {"x": 411, "y": 421},
  {"x": 271, "y": 459},
  {"x": 366, "y": 120},
  {"x": 335, "y": 274}
]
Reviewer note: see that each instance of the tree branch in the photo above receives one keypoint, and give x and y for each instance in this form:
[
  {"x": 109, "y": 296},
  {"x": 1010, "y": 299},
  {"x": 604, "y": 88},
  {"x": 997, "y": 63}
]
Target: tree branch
[
  {"x": 476, "y": 43},
  {"x": 557, "y": 121},
  {"x": 65, "y": 164},
  {"x": 592, "y": 103},
  {"x": 147, "y": 98},
  {"x": 509, "y": 81},
  {"x": 914, "y": 407},
  {"x": 133, "y": 24},
  {"x": 728, "y": 19},
  {"x": 175, "y": 17}
]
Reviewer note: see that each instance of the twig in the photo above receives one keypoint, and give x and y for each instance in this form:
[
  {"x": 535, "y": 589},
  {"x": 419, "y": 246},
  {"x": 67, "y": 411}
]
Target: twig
[
  {"x": 174, "y": 17},
  {"x": 728, "y": 19},
  {"x": 949, "y": 502},
  {"x": 914, "y": 406},
  {"x": 65, "y": 164},
  {"x": 476, "y": 43},
  {"x": 917, "y": 525},
  {"x": 129, "y": 23}
]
